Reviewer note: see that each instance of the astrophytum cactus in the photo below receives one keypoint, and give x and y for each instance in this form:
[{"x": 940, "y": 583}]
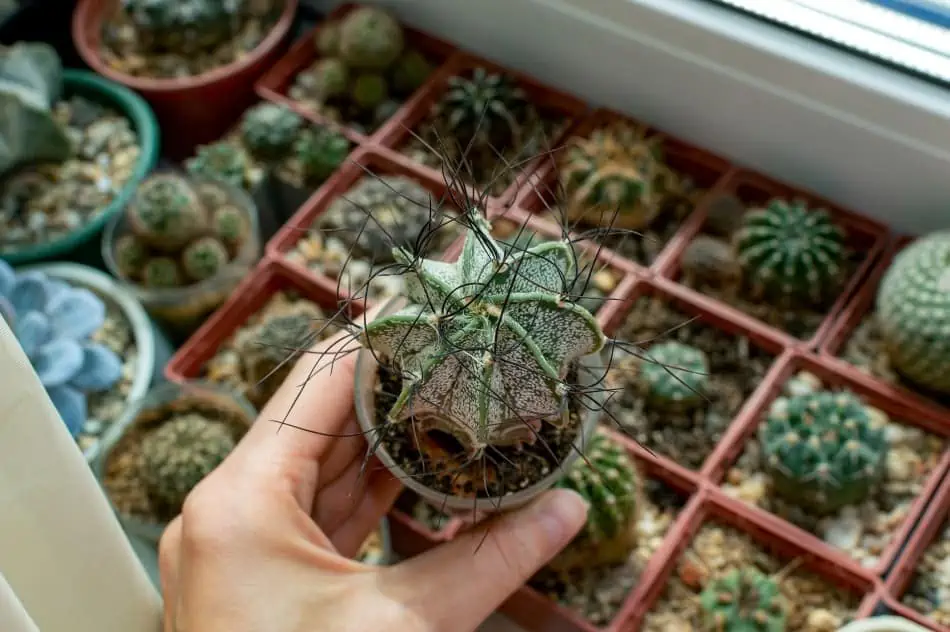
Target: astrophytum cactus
[{"x": 486, "y": 344}]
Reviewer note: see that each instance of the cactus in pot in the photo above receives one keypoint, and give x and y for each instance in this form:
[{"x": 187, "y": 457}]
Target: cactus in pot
[
  {"x": 321, "y": 152},
  {"x": 743, "y": 600},
  {"x": 674, "y": 376},
  {"x": 370, "y": 39},
  {"x": 268, "y": 130},
  {"x": 184, "y": 25},
  {"x": 220, "y": 161},
  {"x": 166, "y": 213},
  {"x": 483, "y": 110}
]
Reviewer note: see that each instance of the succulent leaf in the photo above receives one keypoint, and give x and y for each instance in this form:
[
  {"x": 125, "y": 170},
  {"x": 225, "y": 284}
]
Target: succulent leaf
[
  {"x": 101, "y": 368},
  {"x": 7, "y": 278},
  {"x": 71, "y": 406},
  {"x": 30, "y": 292},
  {"x": 33, "y": 330},
  {"x": 77, "y": 313},
  {"x": 58, "y": 361}
]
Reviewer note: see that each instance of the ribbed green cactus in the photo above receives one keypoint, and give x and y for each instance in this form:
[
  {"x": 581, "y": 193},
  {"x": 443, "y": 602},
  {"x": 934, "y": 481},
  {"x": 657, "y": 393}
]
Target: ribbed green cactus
[
  {"x": 165, "y": 212},
  {"x": 222, "y": 161},
  {"x": 130, "y": 255},
  {"x": 369, "y": 90},
  {"x": 483, "y": 109},
  {"x": 791, "y": 252},
  {"x": 230, "y": 225},
  {"x": 608, "y": 479},
  {"x": 743, "y": 600},
  {"x": 330, "y": 77},
  {"x": 409, "y": 72},
  {"x": 674, "y": 376},
  {"x": 269, "y": 130},
  {"x": 370, "y": 39},
  {"x": 269, "y": 348},
  {"x": 913, "y": 312},
  {"x": 184, "y": 25},
  {"x": 181, "y": 452},
  {"x": 823, "y": 450},
  {"x": 161, "y": 272},
  {"x": 204, "y": 258},
  {"x": 320, "y": 152},
  {"x": 486, "y": 343}
]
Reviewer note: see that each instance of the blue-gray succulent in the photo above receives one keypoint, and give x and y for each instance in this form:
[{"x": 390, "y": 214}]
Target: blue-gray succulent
[{"x": 53, "y": 322}]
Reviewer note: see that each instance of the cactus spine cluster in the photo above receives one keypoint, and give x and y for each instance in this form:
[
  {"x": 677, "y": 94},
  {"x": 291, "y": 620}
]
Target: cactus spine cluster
[
  {"x": 674, "y": 376},
  {"x": 485, "y": 345},
  {"x": 790, "y": 252},
  {"x": 166, "y": 213},
  {"x": 266, "y": 348},
  {"x": 181, "y": 452},
  {"x": 483, "y": 110},
  {"x": 743, "y": 600},
  {"x": 269, "y": 130},
  {"x": 608, "y": 479},
  {"x": 913, "y": 312},
  {"x": 823, "y": 450}
]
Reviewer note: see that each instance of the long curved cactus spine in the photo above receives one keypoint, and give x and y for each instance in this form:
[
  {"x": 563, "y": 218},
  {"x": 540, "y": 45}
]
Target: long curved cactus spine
[{"x": 486, "y": 342}]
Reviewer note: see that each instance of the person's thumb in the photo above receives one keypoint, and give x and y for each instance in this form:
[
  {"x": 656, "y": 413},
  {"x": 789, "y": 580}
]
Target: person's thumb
[{"x": 456, "y": 586}]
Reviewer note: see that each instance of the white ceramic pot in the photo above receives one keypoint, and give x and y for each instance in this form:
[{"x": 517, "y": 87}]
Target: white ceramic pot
[{"x": 883, "y": 624}]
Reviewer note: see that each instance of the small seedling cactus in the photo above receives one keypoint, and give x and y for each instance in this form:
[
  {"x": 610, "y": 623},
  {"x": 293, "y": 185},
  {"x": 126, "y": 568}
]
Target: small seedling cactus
[
  {"x": 913, "y": 312},
  {"x": 230, "y": 225},
  {"x": 204, "y": 258},
  {"x": 330, "y": 77},
  {"x": 608, "y": 479},
  {"x": 166, "y": 213},
  {"x": 161, "y": 272},
  {"x": 130, "y": 255},
  {"x": 222, "y": 161},
  {"x": 485, "y": 346},
  {"x": 743, "y": 600},
  {"x": 410, "y": 71},
  {"x": 674, "y": 376},
  {"x": 483, "y": 110},
  {"x": 712, "y": 261},
  {"x": 790, "y": 252},
  {"x": 269, "y": 130},
  {"x": 54, "y": 323},
  {"x": 616, "y": 176},
  {"x": 184, "y": 25},
  {"x": 823, "y": 450},
  {"x": 369, "y": 90},
  {"x": 178, "y": 454},
  {"x": 320, "y": 152},
  {"x": 370, "y": 39}
]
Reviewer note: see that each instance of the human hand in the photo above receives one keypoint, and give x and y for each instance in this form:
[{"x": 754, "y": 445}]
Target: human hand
[{"x": 263, "y": 544}]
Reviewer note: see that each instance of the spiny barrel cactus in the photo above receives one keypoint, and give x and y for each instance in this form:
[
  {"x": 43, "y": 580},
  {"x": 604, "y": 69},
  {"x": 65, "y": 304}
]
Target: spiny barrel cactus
[
  {"x": 320, "y": 152},
  {"x": 370, "y": 39},
  {"x": 182, "y": 451},
  {"x": 484, "y": 109},
  {"x": 330, "y": 77},
  {"x": 219, "y": 161},
  {"x": 30, "y": 82},
  {"x": 789, "y": 251},
  {"x": 53, "y": 322},
  {"x": 204, "y": 258},
  {"x": 230, "y": 225},
  {"x": 130, "y": 255},
  {"x": 486, "y": 343},
  {"x": 184, "y": 25},
  {"x": 269, "y": 130},
  {"x": 823, "y": 450},
  {"x": 409, "y": 72},
  {"x": 161, "y": 272},
  {"x": 268, "y": 349},
  {"x": 743, "y": 600},
  {"x": 913, "y": 312},
  {"x": 616, "y": 176},
  {"x": 608, "y": 479},
  {"x": 674, "y": 376},
  {"x": 369, "y": 90},
  {"x": 165, "y": 212}
]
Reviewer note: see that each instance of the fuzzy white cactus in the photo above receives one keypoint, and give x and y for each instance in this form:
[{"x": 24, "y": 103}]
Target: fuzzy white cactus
[{"x": 485, "y": 344}]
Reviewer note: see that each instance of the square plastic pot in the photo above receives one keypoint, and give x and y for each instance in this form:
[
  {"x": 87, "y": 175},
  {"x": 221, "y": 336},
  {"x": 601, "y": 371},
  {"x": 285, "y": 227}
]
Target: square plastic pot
[
  {"x": 401, "y": 128},
  {"x": 711, "y": 506},
  {"x": 542, "y": 190},
  {"x": 745, "y": 429},
  {"x": 864, "y": 235},
  {"x": 534, "y": 611},
  {"x": 276, "y": 83}
]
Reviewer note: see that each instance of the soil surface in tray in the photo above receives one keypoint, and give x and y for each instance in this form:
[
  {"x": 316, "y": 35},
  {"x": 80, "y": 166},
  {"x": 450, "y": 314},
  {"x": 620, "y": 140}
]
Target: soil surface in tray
[
  {"x": 599, "y": 593},
  {"x": 862, "y": 531},
  {"x": 929, "y": 591},
  {"x": 501, "y": 472},
  {"x": 422, "y": 512},
  {"x": 865, "y": 350},
  {"x": 736, "y": 367},
  {"x": 814, "y": 603},
  {"x": 256, "y": 358}
]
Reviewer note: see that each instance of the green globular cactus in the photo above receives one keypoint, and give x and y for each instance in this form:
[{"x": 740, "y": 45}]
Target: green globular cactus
[
  {"x": 230, "y": 225},
  {"x": 222, "y": 161},
  {"x": 161, "y": 272},
  {"x": 320, "y": 152},
  {"x": 204, "y": 258},
  {"x": 130, "y": 255},
  {"x": 743, "y": 600},
  {"x": 269, "y": 349},
  {"x": 913, "y": 312},
  {"x": 330, "y": 77},
  {"x": 823, "y": 450},
  {"x": 485, "y": 345},
  {"x": 484, "y": 109},
  {"x": 790, "y": 252},
  {"x": 674, "y": 376},
  {"x": 409, "y": 72},
  {"x": 269, "y": 130},
  {"x": 608, "y": 479},
  {"x": 181, "y": 452},
  {"x": 370, "y": 39},
  {"x": 327, "y": 39},
  {"x": 165, "y": 212},
  {"x": 184, "y": 25},
  {"x": 368, "y": 91}
]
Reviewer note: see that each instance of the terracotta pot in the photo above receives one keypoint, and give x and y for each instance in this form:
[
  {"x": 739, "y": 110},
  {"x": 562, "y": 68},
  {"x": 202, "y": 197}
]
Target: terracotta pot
[{"x": 193, "y": 110}]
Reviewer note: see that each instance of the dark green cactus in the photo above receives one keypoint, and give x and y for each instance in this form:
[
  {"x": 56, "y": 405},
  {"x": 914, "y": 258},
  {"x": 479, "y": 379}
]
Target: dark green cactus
[
  {"x": 368, "y": 91},
  {"x": 230, "y": 225},
  {"x": 204, "y": 258},
  {"x": 166, "y": 212},
  {"x": 409, "y": 72},
  {"x": 327, "y": 39},
  {"x": 221, "y": 161},
  {"x": 161, "y": 272},
  {"x": 674, "y": 376},
  {"x": 266, "y": 348},
  {"x": 823, "y": 450},
  {"x": 370, "y": 39},
  {"x": 330, "y": 78},
  {"x": 743, "y": 600},
  {"x": 484, "y": 109},
  {"x": 791, "y": 252},
  {"x": 320, "y": 152},
  {"x": 184, "y": 25},
  {"x": 130, "y": 255},
  {"x": 269, "y": 130},
  {"x": 177, "y": 455},
  {"x": 913, "y": 312}
]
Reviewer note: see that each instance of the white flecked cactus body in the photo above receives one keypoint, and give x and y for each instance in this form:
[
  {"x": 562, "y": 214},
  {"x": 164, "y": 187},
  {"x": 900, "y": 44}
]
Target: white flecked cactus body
[{"x": 485, "y": 344}]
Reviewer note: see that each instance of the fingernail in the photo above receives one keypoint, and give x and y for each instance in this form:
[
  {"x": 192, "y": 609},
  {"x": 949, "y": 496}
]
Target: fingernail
[{"x": 561, "y": 513}]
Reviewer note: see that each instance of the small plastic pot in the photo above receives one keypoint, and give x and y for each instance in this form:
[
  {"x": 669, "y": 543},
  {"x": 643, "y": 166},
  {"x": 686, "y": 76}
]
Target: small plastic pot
[
  {"x": 160, "y": 396},
  {"x": 182, "y": 309},
  {"x": 366, "y": 381},
  {"x": 129, "y": 104},
  {"x": 883, "y": 624},
  {"x": 191, "y": 110}
]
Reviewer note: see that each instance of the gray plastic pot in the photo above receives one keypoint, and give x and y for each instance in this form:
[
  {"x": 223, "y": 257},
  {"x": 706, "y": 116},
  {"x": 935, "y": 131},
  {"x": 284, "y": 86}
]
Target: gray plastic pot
[
  {"x": 364, "y": 393},
  {"x": 153, "y": 348},
  {"x": 883, "y": 624}
]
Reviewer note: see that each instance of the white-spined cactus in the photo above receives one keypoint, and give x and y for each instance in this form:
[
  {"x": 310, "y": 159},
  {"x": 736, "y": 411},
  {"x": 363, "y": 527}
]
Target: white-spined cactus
[{"x": 486, "y": 344}]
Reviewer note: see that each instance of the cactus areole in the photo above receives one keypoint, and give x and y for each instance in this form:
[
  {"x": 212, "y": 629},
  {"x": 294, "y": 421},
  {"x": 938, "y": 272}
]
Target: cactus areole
[{"x": 485, "y": 345}]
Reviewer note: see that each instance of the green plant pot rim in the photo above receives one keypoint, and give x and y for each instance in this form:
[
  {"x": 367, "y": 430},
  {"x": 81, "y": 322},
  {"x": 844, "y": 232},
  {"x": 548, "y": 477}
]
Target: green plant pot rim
[{"x": 143, "y": 120}]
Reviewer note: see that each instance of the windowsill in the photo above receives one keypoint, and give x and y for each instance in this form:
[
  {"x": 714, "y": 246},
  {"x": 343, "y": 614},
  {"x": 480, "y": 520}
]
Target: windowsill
[{"x": 864, "y": 135}]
